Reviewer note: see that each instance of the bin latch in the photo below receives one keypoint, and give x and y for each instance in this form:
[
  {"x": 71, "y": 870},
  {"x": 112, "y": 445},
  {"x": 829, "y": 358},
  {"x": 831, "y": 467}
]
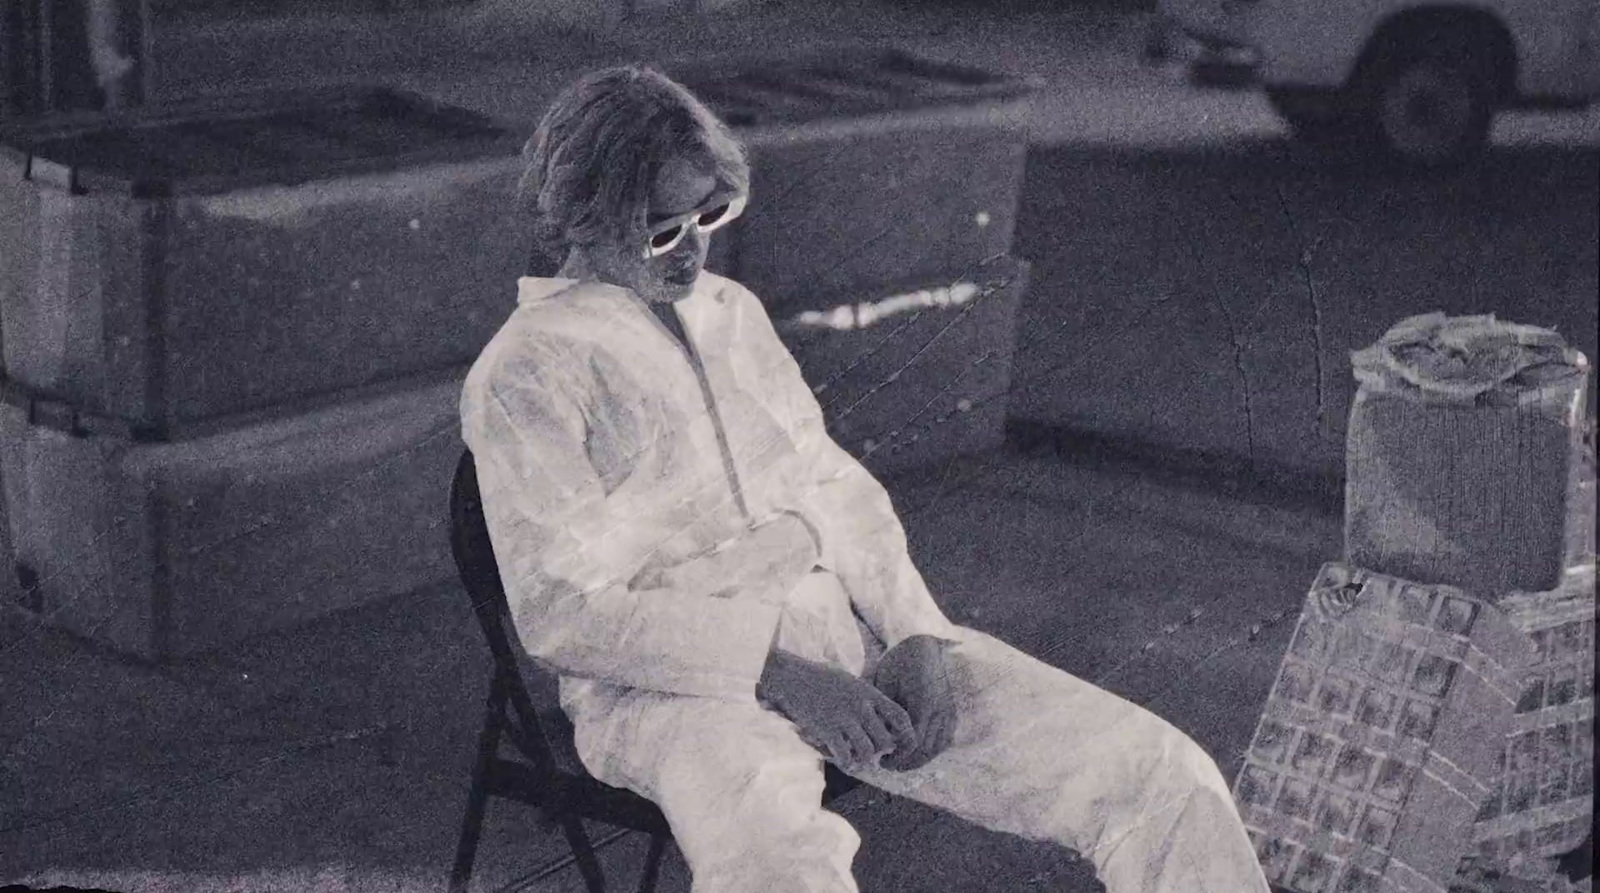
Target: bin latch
[{"x": 59, "y": 415}]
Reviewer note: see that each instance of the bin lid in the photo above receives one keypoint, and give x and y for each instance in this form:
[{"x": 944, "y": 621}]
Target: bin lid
[
  {"x": 235, "y": 142},
  {"x": 752, "y": 92}
]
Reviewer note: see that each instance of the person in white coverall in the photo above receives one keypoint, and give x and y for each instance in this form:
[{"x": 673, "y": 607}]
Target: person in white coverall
[{"x": 726, "y": 594}]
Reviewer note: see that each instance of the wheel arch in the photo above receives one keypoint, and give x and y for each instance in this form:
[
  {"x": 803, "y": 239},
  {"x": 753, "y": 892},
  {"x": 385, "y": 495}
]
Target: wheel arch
[{"x": 1465, "y": 26}]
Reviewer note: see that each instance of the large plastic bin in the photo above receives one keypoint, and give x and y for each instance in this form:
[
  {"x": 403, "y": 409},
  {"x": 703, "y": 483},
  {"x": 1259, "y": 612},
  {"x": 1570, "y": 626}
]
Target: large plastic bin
[
  {"x": 915, "y": 374},
  {"x": 869, "y": 167},
  {"x": 160, "y": 550},
  {"x": 217, "y": 259},
  {"x": 204, "y": 295}
]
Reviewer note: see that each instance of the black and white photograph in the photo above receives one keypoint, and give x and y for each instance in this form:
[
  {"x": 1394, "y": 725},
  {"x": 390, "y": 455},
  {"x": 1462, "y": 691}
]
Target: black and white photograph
[{"x": 798, "y": 446}]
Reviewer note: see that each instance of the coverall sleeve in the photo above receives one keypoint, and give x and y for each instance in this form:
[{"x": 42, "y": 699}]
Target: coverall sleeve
[
  {"x": 563, "y": 547},
  {"x": 863, "y": 542}
]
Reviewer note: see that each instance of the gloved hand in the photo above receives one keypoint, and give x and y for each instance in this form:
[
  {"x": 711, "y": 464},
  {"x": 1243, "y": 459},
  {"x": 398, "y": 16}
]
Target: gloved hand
[
  {"x": 916, "y": 675},
  {"x": 847, "y": 719}
]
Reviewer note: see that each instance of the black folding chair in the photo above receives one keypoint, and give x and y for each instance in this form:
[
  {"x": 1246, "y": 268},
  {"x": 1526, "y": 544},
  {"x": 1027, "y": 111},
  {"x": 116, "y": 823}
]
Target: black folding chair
[{"x": 544, "y": 770}]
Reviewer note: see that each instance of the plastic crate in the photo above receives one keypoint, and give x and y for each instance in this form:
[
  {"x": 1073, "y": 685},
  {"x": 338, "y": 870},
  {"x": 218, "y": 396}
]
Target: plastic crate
[
  {"x": 1542, "y": 802},
  {"x": 1381, "y": 735}
]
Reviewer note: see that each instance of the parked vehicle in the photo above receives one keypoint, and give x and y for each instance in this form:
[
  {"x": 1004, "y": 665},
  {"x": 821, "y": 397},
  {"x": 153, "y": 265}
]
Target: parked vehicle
[{"x": 1422, "y": 78}]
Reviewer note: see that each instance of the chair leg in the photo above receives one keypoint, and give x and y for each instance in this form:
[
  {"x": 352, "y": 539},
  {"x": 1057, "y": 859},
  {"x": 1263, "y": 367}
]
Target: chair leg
[
  {"x": 583, "y": 852},
  {"x": 478, "y": 797},
  {"x": 652, "y": 863}
]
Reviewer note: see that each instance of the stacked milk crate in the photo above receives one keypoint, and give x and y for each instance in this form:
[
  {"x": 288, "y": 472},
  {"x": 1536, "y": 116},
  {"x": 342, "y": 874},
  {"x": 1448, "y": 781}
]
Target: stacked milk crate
[{"x": 1431, "y": 727}]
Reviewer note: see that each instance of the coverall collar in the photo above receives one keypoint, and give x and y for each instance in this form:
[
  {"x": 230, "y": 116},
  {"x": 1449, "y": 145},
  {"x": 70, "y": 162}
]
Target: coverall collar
[{"x": 533, "y": 290}]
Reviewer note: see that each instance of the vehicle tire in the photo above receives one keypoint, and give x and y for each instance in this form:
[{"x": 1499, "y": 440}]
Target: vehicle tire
[
  {"x": 1314, "y": 116},
  {"x": 1430, "y": 105}
]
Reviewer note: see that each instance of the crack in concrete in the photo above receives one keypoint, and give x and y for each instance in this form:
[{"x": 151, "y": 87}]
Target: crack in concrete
[
  {"x": 1303, "y": 262},
  {"x": 1237, "y": 340},
  {"x": 1244, "y": 383}
]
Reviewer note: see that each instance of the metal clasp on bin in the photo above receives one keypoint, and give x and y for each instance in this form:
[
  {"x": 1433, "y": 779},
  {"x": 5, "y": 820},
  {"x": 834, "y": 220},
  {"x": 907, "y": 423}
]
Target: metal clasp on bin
[
  {"x": 54, "y": 414},
  {"x": 59, "y": 415}
]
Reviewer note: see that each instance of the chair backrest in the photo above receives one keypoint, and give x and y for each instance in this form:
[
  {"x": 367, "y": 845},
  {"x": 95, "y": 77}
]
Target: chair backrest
[
  {"x": 475, "y": 562},
  {"x": 545, "y": 738}
]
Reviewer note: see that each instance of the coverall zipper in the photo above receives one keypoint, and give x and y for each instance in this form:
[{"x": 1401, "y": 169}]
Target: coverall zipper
[{"x": 692, "y": 354}]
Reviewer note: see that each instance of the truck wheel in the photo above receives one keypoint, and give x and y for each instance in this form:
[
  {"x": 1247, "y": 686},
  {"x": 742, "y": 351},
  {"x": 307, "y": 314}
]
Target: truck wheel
[{"x": 1429, "y": 105}]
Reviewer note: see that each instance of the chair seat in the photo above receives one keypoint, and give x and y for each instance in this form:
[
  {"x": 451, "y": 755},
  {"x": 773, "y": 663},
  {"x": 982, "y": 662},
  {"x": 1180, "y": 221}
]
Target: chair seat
[
  {"x": 544, "y": 691},
  {"x": 561, "y": 793}
]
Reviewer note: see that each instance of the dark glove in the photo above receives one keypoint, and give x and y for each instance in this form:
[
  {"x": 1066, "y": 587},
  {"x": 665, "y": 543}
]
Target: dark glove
[
  {"x": 844, "y": 717},
  {"x": 916, "y": 675}
]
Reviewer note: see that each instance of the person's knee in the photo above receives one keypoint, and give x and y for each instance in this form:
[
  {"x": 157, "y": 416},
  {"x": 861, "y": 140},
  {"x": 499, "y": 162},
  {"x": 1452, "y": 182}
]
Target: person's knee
[
  {"x": 760, "y": 829},
  {"x": 787, "y": 854},
  {"x": 1185, "y": 765},
  {"x": 780, "y": 822}
]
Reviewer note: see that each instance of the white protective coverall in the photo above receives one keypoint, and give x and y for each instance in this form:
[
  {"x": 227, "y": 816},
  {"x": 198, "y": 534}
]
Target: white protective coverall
[{"x": 598, "y": 460}]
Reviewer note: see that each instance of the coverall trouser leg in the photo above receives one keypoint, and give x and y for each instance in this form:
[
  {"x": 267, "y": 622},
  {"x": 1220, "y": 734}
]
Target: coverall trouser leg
[
  {"x": 1047, "y": 756},
  {"x": 740, "y": 789},
  {"x": 1037, "y": 752}
]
